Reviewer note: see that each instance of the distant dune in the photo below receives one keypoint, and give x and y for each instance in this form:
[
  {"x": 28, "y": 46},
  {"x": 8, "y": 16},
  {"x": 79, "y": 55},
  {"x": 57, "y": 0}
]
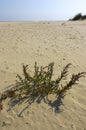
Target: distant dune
[{"x": 78, "y": 17}]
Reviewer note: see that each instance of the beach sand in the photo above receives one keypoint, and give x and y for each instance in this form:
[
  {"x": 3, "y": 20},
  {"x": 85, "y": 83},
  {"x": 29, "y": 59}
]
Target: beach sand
[{"x": 44, "y": 42}]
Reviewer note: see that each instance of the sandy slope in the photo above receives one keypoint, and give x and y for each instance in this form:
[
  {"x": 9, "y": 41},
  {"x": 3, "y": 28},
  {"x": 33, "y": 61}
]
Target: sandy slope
[{"x": 44, "y": 42}]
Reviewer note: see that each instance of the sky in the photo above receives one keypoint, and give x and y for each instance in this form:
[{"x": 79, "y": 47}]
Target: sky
[{"x": 40, "y": 10}]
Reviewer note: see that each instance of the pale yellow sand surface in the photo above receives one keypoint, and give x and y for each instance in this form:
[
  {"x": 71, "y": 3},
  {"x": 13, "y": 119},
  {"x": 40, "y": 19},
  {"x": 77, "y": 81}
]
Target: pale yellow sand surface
[{"x": 44, "y": 42}]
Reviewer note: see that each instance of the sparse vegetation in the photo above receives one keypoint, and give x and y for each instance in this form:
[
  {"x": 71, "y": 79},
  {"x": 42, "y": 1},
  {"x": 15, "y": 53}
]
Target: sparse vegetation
[{"x": 40, "y": 85}]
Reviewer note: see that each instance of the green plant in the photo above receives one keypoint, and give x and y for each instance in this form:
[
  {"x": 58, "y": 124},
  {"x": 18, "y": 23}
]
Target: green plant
[{"x": 38, "y": 86}]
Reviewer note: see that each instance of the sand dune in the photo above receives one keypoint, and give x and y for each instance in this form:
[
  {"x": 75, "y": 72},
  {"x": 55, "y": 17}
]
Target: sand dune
[{"x": 44, "y": 42}]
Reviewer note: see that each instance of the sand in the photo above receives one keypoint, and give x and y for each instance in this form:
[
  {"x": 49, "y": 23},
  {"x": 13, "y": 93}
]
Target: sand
[{"x": 44, "y": 42}]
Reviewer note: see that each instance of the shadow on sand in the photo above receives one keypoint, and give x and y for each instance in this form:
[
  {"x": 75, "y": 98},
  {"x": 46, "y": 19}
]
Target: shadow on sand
[{"x": 30, "y": 99}]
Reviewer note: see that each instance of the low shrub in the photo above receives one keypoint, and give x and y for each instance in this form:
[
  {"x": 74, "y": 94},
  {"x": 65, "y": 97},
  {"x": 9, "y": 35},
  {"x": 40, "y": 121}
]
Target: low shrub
[{"x": 38, "y": 86}]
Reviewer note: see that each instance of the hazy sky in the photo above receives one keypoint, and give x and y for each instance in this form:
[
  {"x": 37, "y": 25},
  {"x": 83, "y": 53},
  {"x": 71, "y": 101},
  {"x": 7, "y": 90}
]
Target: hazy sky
[{"x": 40, "y": 9}]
